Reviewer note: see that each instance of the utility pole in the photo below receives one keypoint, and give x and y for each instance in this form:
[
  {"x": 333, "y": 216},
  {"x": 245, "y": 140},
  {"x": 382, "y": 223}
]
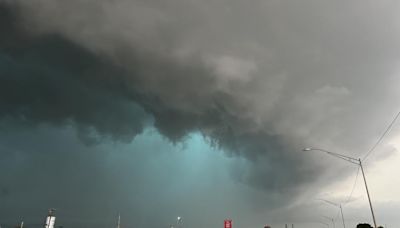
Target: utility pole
[{"x": 369, "y": 198}]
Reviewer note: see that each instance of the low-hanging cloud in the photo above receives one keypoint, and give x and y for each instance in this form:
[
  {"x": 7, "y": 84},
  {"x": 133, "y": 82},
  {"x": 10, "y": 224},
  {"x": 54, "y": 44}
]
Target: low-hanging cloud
[
  {"x": 258, "y": 79},
  {"x": 50, "y": 78}
]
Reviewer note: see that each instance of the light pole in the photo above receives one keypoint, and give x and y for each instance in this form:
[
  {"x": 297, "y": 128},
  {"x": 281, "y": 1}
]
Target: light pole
[
  {"x": 326, "y": 224},
  {"x": 336, "y": 205},
  {"x": 179, "y": 222},
  {"x": 333, "y": 221},
  {"x": 354, "y": 161}
]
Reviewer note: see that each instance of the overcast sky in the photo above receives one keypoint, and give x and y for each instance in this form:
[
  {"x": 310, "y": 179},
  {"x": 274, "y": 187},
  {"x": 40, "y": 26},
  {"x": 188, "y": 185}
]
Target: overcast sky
[{"x": 156, "y": 109}]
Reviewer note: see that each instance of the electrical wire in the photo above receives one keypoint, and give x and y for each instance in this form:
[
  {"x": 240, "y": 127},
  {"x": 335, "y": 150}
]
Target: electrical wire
[
  {"x": 383, "y": 136},
  {"x": 354, "y": 187}
]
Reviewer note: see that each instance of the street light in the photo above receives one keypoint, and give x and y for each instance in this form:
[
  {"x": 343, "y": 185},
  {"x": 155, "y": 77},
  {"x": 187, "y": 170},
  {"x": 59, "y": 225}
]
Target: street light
[
  {"x": 326, "y": 224},
  {"x": 333, "y": 221},
  {"x": 354, "y": 161},
  {"x": 336, "y": 205},
  {"x": 179, "y": 222}
]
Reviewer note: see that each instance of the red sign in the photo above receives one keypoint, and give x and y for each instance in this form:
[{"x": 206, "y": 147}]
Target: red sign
[{"x": 227, "y": 223}]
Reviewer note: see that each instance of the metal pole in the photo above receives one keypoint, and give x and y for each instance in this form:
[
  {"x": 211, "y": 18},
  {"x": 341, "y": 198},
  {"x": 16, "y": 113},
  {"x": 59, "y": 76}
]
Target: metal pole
[
  {"x": 326, "y": 224},
  {"x": 341, "y": 211},
  {"x": 179, "y": 222},
  {"x": 369, "y": 198},
  {"x": 333, "y": 221}
]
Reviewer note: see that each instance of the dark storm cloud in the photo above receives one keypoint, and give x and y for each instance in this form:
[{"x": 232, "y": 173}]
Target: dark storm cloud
[
  {"x": 49, "y": 78},
  {"x": 259, "y": 79}
]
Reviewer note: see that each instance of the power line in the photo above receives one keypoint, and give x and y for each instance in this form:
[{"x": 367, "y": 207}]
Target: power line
[
  {"x": 383, "y": 136},
  {"x": 350, "y": 195},
  {"x": 354, "y": 187}
]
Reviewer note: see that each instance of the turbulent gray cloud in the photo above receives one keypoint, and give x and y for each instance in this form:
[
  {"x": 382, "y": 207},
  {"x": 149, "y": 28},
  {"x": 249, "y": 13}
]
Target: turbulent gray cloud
[
  {"x": 49, "y": 78},
  {"x": 259, "y": 79}
]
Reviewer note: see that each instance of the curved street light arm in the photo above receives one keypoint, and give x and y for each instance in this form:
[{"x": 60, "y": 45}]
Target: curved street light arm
[{"x": 341, "y": 156}]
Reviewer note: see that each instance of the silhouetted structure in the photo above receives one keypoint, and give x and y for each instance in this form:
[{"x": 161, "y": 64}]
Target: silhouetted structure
[
  {"x": 50, "y": 219},
  {"x": 364, "y": 225}
]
